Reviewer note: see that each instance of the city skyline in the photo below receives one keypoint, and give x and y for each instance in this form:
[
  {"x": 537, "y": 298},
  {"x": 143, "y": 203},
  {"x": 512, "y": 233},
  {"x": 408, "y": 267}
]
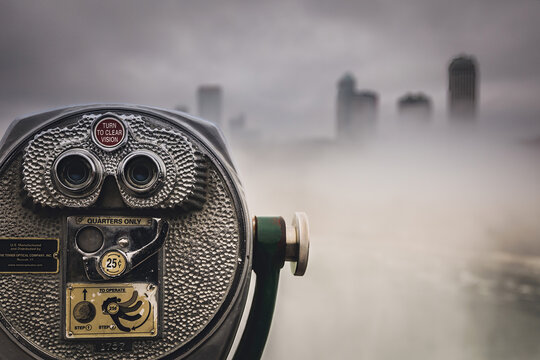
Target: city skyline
[
  {"x": 158, "y": 53},
  {"x": 357, "y": 110}
]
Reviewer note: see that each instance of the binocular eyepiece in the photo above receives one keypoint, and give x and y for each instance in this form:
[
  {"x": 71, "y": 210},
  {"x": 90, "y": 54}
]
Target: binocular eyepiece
[
  {"x": 125, "y": 235},
  {"x": 77, "y": 172},
  {"x": 141, "y": 172}
]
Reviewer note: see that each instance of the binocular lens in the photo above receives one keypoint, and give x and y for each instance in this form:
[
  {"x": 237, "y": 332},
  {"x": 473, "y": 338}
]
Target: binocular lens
[
  {"x": 141, "y": 171},
  {"x": 76, "y": 172}
]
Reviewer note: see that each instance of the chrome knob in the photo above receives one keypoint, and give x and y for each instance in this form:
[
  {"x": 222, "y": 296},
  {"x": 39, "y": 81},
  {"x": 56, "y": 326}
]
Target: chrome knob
[{"x": 297, "y": 244}]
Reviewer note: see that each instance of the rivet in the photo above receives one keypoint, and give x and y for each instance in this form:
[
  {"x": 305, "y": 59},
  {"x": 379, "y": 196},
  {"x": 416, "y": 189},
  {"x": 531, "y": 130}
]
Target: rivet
[{"x": 123, "y": 241}]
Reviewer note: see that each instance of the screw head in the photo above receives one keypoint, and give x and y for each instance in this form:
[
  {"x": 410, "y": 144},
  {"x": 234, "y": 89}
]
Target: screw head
[{"x": 123, "y": 241}]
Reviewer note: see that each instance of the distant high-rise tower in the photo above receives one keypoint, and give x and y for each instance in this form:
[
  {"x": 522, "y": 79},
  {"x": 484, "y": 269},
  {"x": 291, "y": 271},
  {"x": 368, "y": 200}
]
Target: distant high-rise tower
[
  {"x": 415, "y": 106},
  {"x": 210, "y": 102},
  {"x": 462, "y": 87},
  {"x": 182, "y": 108},
  {"x": 356, "y": 110},
  {"x": 346, "y": 89},
  {"x": 237, "y": 124}
]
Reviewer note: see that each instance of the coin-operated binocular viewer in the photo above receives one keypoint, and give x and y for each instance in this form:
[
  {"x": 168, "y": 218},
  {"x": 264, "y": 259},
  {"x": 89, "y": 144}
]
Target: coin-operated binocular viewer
[{"x": 124, "y": 234}]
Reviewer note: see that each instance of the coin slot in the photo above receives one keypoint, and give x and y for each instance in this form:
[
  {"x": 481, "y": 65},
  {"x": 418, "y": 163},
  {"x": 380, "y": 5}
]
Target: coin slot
[{"x": 89, "y": 239}]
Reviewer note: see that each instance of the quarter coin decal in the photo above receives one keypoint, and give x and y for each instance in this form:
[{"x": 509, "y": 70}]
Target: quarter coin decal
[{"x": 113, "y": 263}]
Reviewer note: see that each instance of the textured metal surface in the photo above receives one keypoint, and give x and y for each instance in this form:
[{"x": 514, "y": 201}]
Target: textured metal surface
[
  {"x": 202, "y": 252},
  {"x": 185, "y": 168}
]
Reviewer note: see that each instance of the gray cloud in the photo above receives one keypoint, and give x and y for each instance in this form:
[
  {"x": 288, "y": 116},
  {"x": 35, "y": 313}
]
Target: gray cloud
[{"x": 277, "y": 61}]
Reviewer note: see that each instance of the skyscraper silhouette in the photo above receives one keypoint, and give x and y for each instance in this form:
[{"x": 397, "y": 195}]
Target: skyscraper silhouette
[
  {"x": 462, "y": 87},
  {"x": 356, "y": 110},
  {"x": 415, "y": 106},
  {"x": 210, "y": 102}
]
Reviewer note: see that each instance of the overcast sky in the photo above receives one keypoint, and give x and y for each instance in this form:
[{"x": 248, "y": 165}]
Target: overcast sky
[{"x": 278, "y": 61}]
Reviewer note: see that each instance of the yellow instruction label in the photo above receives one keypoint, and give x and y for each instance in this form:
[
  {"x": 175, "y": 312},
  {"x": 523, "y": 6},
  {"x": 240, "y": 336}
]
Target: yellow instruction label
[{"x": 111, "y": 310}]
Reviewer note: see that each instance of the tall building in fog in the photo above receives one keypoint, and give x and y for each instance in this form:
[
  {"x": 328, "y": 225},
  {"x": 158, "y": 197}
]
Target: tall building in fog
[
  {"x": 415, "y": 106},
  {"x": 237, "y": 124},
  {"x": 462, "y": 87},
  {"x": 356, "y": 110},
  {"x": 346, "y": 90},
  {"x": 210, "y": 103},
  {"x": 182, "y": 108}
]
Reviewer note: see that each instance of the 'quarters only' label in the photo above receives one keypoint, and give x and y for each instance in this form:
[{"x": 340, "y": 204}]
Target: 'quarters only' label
[{"x": 114, "y": 221}]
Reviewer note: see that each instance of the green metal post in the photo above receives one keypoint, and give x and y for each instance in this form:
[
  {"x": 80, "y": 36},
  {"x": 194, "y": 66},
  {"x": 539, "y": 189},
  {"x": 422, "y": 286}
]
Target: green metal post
[{"x": 268, "y": 259}]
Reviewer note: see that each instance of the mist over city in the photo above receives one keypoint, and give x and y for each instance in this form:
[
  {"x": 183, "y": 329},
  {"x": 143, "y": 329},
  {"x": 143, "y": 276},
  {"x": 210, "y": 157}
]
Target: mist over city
[{"x": 409, "y": 132}]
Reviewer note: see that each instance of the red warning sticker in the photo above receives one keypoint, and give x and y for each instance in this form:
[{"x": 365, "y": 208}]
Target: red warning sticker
[{"x": 109, "y": 132}]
